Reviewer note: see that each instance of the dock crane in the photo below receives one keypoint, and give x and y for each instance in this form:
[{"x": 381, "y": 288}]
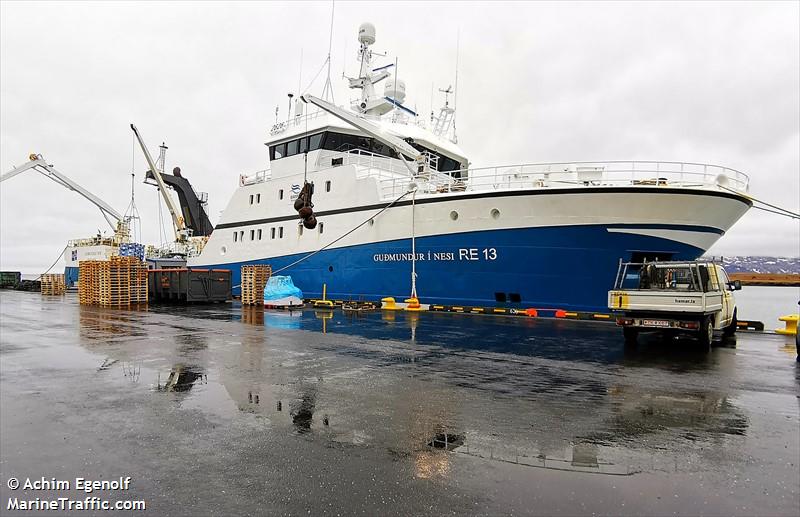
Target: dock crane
[{"x": 38, "y": 163}]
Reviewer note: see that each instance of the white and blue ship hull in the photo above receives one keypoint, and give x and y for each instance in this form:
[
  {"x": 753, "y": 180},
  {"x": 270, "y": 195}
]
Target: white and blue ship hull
[{"x": 555, "y": 249}]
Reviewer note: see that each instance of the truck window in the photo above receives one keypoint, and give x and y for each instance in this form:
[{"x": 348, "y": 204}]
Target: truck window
[
  {"x": 704, "y": 278},
  {"x": 713, "y": 281},
  {"x": 723, "y": 276}
]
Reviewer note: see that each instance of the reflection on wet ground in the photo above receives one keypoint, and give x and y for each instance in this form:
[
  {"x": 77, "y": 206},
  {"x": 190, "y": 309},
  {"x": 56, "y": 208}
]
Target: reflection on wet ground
[{"x": 391, "y": 412}]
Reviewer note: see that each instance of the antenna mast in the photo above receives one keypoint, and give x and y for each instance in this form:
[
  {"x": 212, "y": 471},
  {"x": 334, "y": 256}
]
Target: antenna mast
[
  {"x": 328, "y": 88},
  {"x": 455, "y": 95}
]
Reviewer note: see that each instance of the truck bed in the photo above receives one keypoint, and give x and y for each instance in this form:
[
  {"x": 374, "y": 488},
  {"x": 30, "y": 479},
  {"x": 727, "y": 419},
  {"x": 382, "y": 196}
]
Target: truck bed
[{"x": 666, "y": 300}]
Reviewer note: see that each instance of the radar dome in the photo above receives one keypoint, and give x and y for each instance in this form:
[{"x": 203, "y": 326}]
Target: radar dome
[
  {"x": 396, "y": 89},
  {"x": 366, "y": 33}
]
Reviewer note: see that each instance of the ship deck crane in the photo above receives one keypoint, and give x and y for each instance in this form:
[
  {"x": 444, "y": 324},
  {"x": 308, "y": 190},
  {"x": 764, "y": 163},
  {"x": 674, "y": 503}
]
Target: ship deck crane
[
  {"x": 182, "y": 232},
  {"x": 38, "y": 163}
]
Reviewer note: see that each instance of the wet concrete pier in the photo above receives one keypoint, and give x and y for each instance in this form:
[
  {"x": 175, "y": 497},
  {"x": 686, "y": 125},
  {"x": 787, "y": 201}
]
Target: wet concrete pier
[{"x": 223, "y": 411}]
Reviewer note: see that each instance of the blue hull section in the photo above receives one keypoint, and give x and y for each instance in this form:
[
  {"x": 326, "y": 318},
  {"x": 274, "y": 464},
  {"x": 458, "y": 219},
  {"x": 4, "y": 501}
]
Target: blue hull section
[
  {"x": 70, "y": 275},
  {"x": 554, "y": 267}
]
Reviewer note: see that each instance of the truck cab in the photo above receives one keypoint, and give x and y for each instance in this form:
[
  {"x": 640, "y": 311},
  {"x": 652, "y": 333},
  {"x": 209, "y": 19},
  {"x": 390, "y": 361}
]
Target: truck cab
[{"x": 692, "y": 297}]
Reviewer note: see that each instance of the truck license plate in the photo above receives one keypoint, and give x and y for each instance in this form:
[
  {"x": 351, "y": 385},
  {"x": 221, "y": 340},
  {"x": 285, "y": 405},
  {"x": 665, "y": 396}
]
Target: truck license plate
[{"x": 655, "y": 323}]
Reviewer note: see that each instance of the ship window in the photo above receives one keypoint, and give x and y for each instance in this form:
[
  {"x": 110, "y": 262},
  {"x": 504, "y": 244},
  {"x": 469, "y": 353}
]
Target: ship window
[
  {"x": 303, "y": 145},
  {"x": 272, "y": 232},
  {"x": 514, "y": 297},
  {"x": 280, "y": 232},
  {"x": 300, "y": 229},
  {"x": 500, "y": 297},
  {"x": 252, "y": 235},
  {"x": 321, "y": 226},
  {"x": 316, "y": 142},
  {"x": 241, "y": 236},
  {"x": 277, "y": 152},
  {"x": 328, "y": 186},
  {"x": 259, "y": 234},
  {"x": 251, "y": 199},
  {"x": 291, "y": 148},
  {"x": 258, "y": 198},
  {"x": 280, "y": 194},
  {"x": 235, "y": 236}
]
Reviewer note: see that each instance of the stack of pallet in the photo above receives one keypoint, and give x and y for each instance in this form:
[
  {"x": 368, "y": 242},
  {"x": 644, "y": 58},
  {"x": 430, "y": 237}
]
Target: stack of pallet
[
  {"x": 254, "y": 278},
  {"x": 89, "y": 282},
  {"x": 53, "y": 284},
  {"x": 118, "y": 282}
]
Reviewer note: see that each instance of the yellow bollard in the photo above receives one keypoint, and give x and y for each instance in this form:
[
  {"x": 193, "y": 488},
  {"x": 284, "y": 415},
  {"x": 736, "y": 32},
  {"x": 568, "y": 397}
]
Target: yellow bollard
[
  {"x": 324, "y": 303},
  {"x": 388, "y": 304},
  {"x": 413, "y": 304},
  {"x": 791, "y": 325}
]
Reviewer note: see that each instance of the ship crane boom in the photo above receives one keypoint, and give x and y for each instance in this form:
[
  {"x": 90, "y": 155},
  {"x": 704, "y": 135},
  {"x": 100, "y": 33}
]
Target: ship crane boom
[
  {"x": 402, "y": 148},
  {"x": 39, "y": 164},
  {"x": 178, "y": 224}
]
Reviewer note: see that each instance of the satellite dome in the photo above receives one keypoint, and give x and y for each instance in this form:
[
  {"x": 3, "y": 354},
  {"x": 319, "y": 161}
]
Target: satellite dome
[{"x": 366, "y": 33}]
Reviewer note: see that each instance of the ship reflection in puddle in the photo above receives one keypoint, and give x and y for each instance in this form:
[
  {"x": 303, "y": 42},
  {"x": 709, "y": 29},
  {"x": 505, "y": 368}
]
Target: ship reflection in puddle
[{"x": 182, "y": 379}]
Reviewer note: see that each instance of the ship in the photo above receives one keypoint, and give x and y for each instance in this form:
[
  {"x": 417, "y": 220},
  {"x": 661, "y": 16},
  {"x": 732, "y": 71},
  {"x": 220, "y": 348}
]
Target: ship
[{"x": 373, "y": 200}]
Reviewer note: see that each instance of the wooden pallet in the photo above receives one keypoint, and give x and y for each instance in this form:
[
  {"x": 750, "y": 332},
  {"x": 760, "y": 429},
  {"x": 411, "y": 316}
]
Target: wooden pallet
[
  {"x": 118, "y": 282},
  {"x": 53, "y": 284},
  {"x": 254, "y": 278}
]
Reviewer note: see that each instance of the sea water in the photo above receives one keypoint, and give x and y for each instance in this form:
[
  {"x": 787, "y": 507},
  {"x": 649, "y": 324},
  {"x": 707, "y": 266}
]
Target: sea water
[{"x": 766, "y": 304}]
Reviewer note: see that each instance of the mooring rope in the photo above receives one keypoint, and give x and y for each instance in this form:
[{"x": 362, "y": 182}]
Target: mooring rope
[
  {"x": 302, "y": 259},
  {"x": 54, "y": 263},
  {"x": 777, "y": 210}
]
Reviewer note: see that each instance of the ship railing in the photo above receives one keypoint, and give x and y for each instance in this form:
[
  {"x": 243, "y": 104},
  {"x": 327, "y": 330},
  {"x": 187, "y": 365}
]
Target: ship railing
[
  {"x": 573, "y": 175},
  {"x": 367, "y": 164},
  {"x": 301, "y": 120},
  {"x": 256, "y": 177}
]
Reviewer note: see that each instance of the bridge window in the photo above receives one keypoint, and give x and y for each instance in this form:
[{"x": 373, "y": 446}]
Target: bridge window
[
  {"x": 292, "y": 147},
  {"x": 315, "y": 141},
  {"x": 276, "y": 152}
]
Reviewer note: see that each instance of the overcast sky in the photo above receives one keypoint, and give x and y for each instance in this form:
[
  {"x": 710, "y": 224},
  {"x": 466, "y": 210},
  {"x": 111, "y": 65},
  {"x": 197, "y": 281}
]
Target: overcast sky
[{"x": 699, "y": 82}]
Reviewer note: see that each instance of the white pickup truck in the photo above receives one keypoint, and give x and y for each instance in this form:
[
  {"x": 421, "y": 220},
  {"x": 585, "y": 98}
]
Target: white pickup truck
[{"x": 674, "y": 297}]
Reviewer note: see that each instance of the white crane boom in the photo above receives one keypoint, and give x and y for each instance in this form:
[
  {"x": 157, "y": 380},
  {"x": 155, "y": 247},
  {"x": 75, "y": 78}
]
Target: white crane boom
[
  {"x": 178, "y": 224},
  {"x": 401, "y": 147},
  {"x": 38, "y": 164}
]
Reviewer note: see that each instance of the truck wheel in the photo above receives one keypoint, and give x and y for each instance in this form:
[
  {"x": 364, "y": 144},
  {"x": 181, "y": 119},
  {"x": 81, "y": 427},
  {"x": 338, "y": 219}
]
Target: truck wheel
[
  {"x": 706, "y": 333},
  {"x": 631, "y": 334},
  {"x": 731, "y": 329}
]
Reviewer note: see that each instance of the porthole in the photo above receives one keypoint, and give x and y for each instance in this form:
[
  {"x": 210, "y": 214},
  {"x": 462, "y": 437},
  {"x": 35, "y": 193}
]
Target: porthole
[
  {"x": 223, "y": 250},
  {"x": 495, "y": 213},
  {"x": 453, "y": 215},
  {"x": 330, "y": 269}
]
